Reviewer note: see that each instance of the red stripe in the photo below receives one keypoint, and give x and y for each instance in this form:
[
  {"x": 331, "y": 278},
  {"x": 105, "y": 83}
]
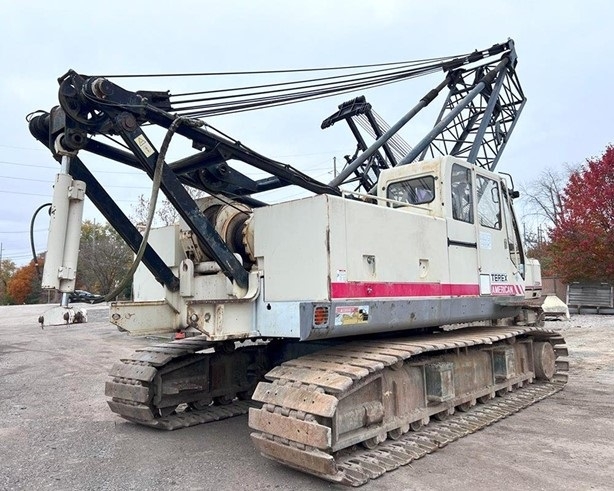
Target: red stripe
[{"x": 361, "y": 289}]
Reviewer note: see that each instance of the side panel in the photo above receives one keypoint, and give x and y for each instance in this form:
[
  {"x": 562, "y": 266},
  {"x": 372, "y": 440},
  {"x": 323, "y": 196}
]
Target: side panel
[
  {"x": 381, "y": 244},
  {"x": 368, "y": 316},
  {"x": 533, "y": 279},
  {"x": 165, "y": 241},
  {"x": 291, "y": 247}
]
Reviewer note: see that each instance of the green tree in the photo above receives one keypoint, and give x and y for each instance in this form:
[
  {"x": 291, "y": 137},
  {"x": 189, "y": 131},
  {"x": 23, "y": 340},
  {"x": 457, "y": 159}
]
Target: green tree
[
  {"x": 7, "y": 270},
  {"x": 104, "y": 258},
  {"x": 543, "y": 252}
]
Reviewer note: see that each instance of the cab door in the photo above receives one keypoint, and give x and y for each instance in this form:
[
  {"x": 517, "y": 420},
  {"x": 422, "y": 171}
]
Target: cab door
[
  {"x": 496, "y": 275},
  {"x": 462, "y": 234}
]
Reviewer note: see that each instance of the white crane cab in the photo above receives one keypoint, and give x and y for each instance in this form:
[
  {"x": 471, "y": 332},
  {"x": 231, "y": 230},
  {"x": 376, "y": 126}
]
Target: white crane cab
[{"x": 484, "y": 248}]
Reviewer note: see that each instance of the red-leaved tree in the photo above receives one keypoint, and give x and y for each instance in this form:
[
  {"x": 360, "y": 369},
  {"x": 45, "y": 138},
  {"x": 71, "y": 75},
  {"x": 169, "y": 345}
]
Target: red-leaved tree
[
  {"x": 583, "y": 238},
  {"x": 21, "y": 286}
]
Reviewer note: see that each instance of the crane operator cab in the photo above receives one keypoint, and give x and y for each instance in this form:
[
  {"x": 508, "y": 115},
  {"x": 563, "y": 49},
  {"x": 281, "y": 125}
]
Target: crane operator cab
[{"x": 484, "y": 246}]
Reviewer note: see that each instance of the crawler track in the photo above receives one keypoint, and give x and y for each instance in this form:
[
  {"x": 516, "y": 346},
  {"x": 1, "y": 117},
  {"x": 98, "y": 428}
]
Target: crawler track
[
  {"x": 362, "y": 465},
  {"x": 299, "y": 423},
  {"x": 140, "y": 393}
]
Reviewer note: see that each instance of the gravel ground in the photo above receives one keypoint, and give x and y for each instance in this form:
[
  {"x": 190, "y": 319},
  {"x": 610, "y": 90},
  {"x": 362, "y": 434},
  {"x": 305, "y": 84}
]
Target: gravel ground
[{"x": 56, "y": 431}]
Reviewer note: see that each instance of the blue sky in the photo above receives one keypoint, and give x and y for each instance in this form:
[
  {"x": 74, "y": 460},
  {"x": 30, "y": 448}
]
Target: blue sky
[{"x": 565, "y": 51}]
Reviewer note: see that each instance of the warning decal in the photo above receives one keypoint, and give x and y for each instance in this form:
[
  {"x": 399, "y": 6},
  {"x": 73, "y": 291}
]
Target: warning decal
[{"x": 352, "y": 314}]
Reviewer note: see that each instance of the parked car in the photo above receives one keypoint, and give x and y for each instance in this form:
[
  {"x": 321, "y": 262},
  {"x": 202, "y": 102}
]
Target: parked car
[{"x": 84, "y": 296}]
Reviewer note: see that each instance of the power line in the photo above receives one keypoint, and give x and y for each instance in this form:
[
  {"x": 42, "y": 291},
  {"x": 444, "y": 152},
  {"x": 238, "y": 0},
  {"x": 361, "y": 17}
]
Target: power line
[
  {"x": 25, "y": 165},
  {"x": 38, "y": 149},
  {"x": 24, "y": 231},
  {"x": 21, "y": 164},
  {"x": 49, "y": 182},
  {"x": 25, "y": 194},
  {"x": 139, "y": 172},
  {"x": 19, "y": 254},
  {"x": 24, "y": 179},
  {"x": 49, "y": 195}
]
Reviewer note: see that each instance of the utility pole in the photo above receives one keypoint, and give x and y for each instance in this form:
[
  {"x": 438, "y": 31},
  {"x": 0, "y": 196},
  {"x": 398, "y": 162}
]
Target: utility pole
[{"x": 334, "y": 167}]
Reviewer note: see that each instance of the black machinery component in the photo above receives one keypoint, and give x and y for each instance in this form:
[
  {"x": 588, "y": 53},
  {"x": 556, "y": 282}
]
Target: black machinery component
[
  {"x": 348, "y": 111},
  {"x": 39, "y": 127},
  {"x": 96, "y": 106}
]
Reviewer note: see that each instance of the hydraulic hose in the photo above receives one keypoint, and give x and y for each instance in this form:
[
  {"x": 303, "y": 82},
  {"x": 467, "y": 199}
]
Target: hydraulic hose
[
  {"x": 34, "y": 256},
  {"x": 157, "y": 179}
]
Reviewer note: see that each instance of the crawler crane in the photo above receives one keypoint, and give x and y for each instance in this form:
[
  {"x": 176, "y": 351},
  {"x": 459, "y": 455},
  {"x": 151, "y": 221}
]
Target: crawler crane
[{"x": 387, "y": 314}]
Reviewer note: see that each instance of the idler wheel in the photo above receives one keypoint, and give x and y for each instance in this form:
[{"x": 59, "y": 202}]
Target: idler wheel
[
  {"x": 502, "y": 392},
  {"x": 544, "y": 357},
  {"x": 443, "y": 415},
  {"x": 198, "y": 405}
]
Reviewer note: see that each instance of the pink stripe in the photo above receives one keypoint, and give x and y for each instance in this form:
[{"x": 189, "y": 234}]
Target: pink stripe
[
  {"x": 506, "y": 290},
  {"x": 360, "y": 289}
]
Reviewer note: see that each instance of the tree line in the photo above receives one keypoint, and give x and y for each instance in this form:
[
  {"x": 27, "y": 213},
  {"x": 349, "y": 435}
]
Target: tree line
[{"x": 104, "y": 258}]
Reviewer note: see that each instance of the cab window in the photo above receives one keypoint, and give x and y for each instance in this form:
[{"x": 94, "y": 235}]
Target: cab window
[
  {"x": 489, "y": 211},
  {"x": 462, "y": 194},
  {"x": 417, "y": 191}
]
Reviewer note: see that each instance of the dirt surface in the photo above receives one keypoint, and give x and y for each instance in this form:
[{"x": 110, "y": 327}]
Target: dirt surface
[{"x": 56, "y": 431}]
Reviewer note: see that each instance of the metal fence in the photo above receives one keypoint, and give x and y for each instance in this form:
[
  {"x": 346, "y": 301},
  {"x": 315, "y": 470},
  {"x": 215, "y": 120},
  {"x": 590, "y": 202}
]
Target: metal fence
[{"x": 593, "y": 296}]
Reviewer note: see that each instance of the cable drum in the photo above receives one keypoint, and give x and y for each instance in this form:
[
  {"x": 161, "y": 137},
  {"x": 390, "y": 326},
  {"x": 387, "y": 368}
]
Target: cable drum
[
  {"x": 230, "y": 224},
  {"x": 229, "y": 220}
]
